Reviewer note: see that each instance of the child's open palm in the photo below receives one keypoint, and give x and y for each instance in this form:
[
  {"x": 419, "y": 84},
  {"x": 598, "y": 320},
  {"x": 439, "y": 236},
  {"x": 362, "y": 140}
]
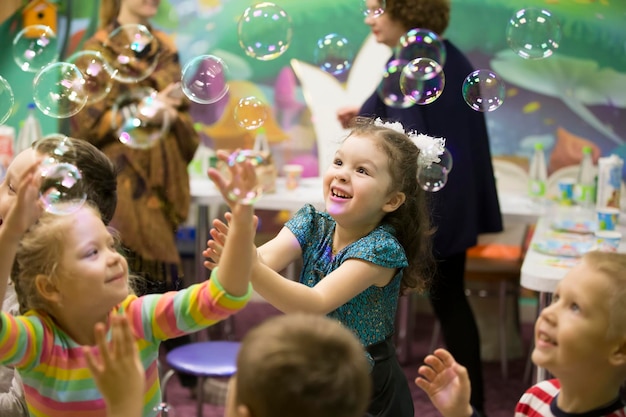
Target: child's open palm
[
  {"x": 118, "y": 371},
  {"x": 27, "y": 207},
  {"x": 446, "y": 383}
]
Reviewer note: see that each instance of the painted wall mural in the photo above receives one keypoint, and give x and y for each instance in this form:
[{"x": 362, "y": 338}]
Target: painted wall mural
[{"x": 575, "y": 97}]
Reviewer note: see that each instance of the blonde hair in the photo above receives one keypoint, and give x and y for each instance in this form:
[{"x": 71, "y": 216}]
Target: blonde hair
[
  {"x": 109, "y": 10},
  {"x": 38, "y": 254},
  {"x": 302, "y": 365},
  {"x": 612, "y": 266}
]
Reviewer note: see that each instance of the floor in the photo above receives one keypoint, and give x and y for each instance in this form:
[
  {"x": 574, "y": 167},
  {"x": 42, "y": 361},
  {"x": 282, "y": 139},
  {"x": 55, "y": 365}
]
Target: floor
[{"x": 501, "y": 395}]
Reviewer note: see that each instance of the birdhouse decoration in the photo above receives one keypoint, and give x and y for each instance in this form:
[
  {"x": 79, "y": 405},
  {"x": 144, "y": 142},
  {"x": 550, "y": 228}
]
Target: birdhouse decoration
[{"x": 40, "y": 12}]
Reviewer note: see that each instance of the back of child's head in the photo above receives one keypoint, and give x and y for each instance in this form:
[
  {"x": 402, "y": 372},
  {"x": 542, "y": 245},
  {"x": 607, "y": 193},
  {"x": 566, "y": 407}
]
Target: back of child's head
[
  {"x": 302, "y": 365},
  {"x": 613, "y": 267},
  {"x": 99, "y": 176},
  {"x": 38, "y": 254},
  {"x": 411, "y": 220}
]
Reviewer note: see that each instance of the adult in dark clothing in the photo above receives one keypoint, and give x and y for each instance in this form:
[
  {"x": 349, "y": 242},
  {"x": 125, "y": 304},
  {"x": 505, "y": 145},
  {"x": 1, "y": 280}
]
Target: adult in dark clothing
[{"x": 468, "y": 204}]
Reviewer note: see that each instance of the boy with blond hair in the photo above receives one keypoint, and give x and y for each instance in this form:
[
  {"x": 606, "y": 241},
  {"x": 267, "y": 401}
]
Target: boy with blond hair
[
  {"x": 580, "y": 338},
  {"x": 300, "y": 365}
]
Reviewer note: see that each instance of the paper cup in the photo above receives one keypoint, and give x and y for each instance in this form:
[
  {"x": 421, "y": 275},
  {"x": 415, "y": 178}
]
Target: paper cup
[
  {"x": 566, "y": 191},
  {"x": 607, "y": 218},
  {"x": 608, "y": 240},
  {"x": 293, "y": 172}
]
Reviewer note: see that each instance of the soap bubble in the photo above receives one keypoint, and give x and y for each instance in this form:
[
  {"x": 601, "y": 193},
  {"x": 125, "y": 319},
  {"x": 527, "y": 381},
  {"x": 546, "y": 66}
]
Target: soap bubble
[
  {"x": 422, "y": 80},
  {"x": 204, "y": 79},
  {"x": 61, "y": 191},
  {"x": 483, "y": 90},
  {"x": 533, "y": 33},
  {"x": 34, "y": 47},
  {"x": 389, "y": 87},
  {"x": 264, "y": 31},
  {"x": 58, "y": 90},
  {"x": 375, "y": 9},
  {"x": 432, "y": 177},
  {"x": 7, "y": 100},
  {"x": 256, "y": 159},
  {"x": 250, "y": 113},
  {"x": 421, "y": 43},
  {"x": 132, "y": 53},
  {"x": 137, "y": 109},
  {"x": 334, "y": 54},
  {"x": 97, "y": 74}
]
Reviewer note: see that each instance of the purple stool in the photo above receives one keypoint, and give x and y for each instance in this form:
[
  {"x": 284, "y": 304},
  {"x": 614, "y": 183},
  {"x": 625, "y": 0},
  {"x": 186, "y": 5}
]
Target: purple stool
[{"x": 202, "y": 359}]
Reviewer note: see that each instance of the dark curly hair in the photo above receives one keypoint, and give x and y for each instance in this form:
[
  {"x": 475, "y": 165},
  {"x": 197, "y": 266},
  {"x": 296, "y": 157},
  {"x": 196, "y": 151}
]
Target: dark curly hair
[
  {"x": 425, "y": 14},
  {"x": 411, "y": 221}
]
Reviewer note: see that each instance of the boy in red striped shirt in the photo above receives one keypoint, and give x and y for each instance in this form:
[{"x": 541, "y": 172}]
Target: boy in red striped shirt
[{"x": 580, "y": 338}]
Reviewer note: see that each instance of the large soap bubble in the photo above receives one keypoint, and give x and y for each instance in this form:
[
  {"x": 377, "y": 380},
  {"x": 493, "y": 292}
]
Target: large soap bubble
[{"x": 264, "y": 31}]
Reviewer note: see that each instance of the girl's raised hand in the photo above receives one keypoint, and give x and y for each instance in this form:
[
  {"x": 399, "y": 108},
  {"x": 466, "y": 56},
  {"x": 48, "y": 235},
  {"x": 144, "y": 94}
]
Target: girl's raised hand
[
  {"x": 446, "y": 383},
  {"x": 243, "y": 179},
  {"x": 215, "y": 245},
  {"x": 118, "y": 371},
  {"x": 27, "y": 208}
]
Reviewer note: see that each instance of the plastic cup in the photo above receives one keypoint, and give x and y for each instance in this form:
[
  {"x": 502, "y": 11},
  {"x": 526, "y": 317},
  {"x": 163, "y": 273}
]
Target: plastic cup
[
  {"x": 566, "y": 191},
  {"x": 608, "y": 240},
  {"x": 607, "y": 218},
  {"x": 293, "y": 172}
]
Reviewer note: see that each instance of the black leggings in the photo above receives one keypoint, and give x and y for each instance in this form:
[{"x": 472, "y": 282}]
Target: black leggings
[
  {"x": 391, "y": 395},
  {"x": 458, "y": 325}
]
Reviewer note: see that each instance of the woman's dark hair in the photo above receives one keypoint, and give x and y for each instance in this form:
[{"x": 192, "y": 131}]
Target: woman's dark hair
[{"x": 424, "y": 14}]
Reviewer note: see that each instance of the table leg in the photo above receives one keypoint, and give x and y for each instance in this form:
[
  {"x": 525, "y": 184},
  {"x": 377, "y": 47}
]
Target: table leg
[{"x": 205, "y": 215}]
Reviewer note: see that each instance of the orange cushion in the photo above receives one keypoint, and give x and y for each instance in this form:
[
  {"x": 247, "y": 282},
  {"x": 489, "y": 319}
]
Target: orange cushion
[{"x": 495, "y": 251}]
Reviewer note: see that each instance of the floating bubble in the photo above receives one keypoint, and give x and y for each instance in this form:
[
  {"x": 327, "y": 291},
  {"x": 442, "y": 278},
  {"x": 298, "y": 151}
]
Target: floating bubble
[
  {"x": 97, "y": 74},
  {"x": 483, "y": 90},
  {"x": 421, "y": 43},
  {"x": 143, "y": 121},
  {"x": 34, "y": 47},
  {"x": 252, "y": 194},
  {"x": 432, "y": 177},
  {"x": 204, "y": 79},
  {"x": 334, "y": 54},
  {"x": 7, "y": 100},
  {"x": 422, "y": 80},
  {"x": 389, "y": 87},
  {"x": 373, "y": 8},
  {"x": 131, "y": 52},
  {"x": 250, "y": 113},
  {"x": 61, "y": 191},
  {"x": 445, "y": 160},
  {"x": 164, "y": 409},
  {"x": 533, "y": 33},
  {"x": 58, "y": 90},
  {"x": 264, "y": 31}
]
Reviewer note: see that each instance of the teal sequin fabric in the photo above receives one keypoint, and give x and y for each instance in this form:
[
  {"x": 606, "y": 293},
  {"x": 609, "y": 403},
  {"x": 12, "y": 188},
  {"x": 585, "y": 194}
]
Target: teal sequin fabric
[{"x": 371, "y": 314}]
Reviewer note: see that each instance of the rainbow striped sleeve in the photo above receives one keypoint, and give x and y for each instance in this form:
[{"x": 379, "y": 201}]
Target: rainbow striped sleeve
[
  {"x": 169, "y": 315},
  {"x": 22, "y": 340}
]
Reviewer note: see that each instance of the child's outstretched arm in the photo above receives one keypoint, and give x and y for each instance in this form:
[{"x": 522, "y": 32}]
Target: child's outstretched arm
[
  {"x": 446, "y": 383},
  {"x": 118, "y": 372},
  {"x": 23, "y": 213},
  {"x": 238, "y": 253}
]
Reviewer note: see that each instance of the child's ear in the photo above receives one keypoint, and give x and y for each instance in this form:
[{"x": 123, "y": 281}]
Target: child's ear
[
  {"x": 47, "y": 289},
  {"x": 618, "y": 357},
  {"x": 395, "y": 201}
]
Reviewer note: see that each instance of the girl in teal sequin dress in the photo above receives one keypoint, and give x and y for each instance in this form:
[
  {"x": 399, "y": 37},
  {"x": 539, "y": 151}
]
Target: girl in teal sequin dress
[{"x": 370, "y": 245}]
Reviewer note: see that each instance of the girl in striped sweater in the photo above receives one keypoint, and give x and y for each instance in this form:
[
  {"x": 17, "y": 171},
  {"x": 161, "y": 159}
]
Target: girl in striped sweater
[{"x": 71, "y": 277}]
